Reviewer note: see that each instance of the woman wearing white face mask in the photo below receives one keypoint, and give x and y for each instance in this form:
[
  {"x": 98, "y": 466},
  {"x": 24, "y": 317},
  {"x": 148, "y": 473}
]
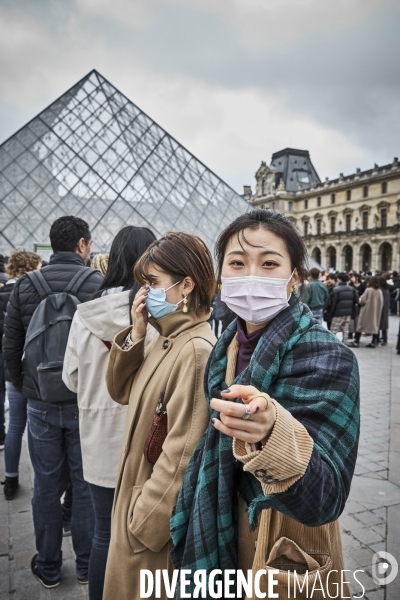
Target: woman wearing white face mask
[
  {"x": 282, "y": 441},
  {"x": 178, "y": 284}
]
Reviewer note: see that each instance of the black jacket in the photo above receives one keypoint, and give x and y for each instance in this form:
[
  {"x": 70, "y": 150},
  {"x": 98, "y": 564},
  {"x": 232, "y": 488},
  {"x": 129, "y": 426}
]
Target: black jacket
[
  {"x": 5, "y": 293},
  {"x": 344, "y": 301},
  {"x": 23, "y": 303}
]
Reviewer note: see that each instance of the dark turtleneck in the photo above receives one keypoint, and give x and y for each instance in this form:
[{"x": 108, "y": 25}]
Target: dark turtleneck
[{"x": 247, "y": 343}]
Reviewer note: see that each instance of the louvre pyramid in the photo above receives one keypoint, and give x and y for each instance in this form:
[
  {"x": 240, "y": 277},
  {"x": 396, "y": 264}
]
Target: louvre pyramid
[{"x": 95, "y": 155}]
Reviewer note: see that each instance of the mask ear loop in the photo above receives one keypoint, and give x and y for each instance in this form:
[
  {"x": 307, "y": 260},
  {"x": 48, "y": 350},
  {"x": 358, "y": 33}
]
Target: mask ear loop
[{"x": 294, "y": 287}]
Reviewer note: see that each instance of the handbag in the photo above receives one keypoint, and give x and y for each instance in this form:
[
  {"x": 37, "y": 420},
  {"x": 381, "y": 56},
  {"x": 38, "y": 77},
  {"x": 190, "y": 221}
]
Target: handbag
[
  {"x": 159, "y": 428},
  {"x": 157, "y": 433}
]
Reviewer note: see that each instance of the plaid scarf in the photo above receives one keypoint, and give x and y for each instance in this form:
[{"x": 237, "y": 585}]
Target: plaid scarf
[{"x": 315, "y": 377}]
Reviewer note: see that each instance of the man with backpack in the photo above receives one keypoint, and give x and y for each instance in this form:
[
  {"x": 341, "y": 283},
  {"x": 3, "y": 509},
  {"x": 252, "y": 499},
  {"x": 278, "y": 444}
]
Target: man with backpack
[{"x": 36, "y": 328}]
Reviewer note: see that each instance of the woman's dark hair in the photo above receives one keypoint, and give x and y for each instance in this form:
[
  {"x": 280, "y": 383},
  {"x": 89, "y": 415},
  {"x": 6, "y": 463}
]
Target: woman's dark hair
[
  {"x": 374, "y": 282},
  {"x": 127, "y": 247},
  {"x": 273, "y": 221},
  {"x": 383, "y": 282},
  {"x": 182, "y": 255}
]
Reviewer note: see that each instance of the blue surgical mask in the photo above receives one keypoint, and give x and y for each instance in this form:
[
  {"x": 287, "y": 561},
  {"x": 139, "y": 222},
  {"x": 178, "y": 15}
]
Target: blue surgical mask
[{"x": 156, "y": 303}]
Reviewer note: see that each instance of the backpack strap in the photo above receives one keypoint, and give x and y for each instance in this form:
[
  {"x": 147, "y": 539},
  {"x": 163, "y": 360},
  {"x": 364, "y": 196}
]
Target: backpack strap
[
  {"x": 78, "y": 279},
  {"x": 40, "y": 284}
]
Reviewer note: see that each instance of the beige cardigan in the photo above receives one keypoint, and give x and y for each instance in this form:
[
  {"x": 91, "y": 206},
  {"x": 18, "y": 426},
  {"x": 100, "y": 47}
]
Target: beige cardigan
[{"x": 281, "y": 542}]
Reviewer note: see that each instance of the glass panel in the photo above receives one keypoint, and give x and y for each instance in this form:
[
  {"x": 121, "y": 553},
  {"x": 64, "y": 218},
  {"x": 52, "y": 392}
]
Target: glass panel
[{"x": 94, "y": 154}]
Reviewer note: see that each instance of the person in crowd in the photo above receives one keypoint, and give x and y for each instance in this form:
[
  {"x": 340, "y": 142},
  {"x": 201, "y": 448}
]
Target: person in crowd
[
  {"x": 316, "y": 295},
  {"x": 100, "y": 262},
  {"x": 102, "y": 421},
  {"x": 53, "y": 423},
  {"x": 343, "y": 306},
  {"x": 330, "y": 282},
  {"x": 293, "y": 454},
  {"x": 218, "y": 311},
  {"x": 384, "y": 321},
  {"x": 178, "y": 286},
  {"x": 3, "y": 275},
  {"x": 356, "y": 281},
  {"x": 19, "y": 263},
  {"x": 394, "y": 293},
  {"x": 371, "y": 303}
]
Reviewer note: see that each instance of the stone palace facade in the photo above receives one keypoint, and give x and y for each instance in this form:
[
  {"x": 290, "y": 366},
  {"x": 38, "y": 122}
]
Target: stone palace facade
[{"x": 352, "y": 222}]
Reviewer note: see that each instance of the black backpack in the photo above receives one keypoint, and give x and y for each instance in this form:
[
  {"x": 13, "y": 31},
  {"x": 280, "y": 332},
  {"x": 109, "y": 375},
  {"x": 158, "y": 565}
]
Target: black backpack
[{"x": 47, "y": 336}]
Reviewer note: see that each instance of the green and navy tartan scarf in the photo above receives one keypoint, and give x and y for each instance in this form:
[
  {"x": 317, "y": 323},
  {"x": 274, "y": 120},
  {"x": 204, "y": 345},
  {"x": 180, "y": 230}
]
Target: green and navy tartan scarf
[{"x": 315, "y": 377}]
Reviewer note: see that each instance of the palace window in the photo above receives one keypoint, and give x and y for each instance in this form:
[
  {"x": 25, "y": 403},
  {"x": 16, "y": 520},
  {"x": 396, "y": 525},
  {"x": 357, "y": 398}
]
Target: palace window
[
  {"x": 384, "y": 187},
  {"x": 384, "y": 217},
  {"x": 305, "y": 203},
  {"x": 365, "y": 220},
  {"x": 365, "y": 191},
  {"x": 319, "y": 226},
  {"x": 348, "y": 194},
  {"x": 333, "y": 224},
  {"x": 319, "y": 201},
  {"x": 333, "y": 198},
  {"x": 305, "y": 227},
  {"x": 263, "y": 187},
  {"x": 290, "y": 206},
  {"x": 348, "y": 222}
]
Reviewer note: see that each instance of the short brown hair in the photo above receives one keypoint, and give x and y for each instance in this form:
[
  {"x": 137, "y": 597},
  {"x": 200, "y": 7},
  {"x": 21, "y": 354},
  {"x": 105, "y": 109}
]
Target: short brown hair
[
  {"x": 182, "y": 255},
  {"x": 21, "y": 261},
  {"x": 315, "y": 273}
]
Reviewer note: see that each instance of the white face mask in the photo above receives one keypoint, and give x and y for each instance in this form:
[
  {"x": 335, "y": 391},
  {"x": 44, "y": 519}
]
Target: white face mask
[{"x": 255, "y": 299}]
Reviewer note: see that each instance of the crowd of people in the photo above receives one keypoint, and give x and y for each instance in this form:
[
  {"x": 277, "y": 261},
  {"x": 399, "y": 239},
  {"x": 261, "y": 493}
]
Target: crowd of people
[
  {"x": 158, "y": 441},
  {"x": 354, "y": 303}
]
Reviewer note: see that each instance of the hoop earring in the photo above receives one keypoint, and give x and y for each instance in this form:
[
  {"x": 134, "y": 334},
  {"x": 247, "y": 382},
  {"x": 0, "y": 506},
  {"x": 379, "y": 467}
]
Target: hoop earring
[{"x": 185, "y": 308}]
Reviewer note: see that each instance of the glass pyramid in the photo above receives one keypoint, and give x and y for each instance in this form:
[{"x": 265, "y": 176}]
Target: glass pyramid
[{"x": 95, "y": 155}]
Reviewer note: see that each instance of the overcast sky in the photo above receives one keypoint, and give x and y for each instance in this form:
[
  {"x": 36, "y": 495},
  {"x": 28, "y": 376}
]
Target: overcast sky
[{"x": 232, "y": 80}]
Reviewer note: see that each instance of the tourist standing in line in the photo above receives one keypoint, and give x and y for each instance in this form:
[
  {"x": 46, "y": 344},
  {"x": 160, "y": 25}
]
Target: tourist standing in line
[
  {"x": 100, "y": 262},
  {"x": 369, "y": 319},
  {"x": 3, "y": 275},
  {"x": 343, "y": 306},
  {"x": 297, "y": 450},
  {"x": 101, "y": 421},
  {"x": 330, "y": 283},
  {"x": 53, "y": 425},
  {"x": 384, "y": 321},
  {"x": 178, "y": 285},
  {"x": 316, "y": 295},
  {"x": 19, "y": 263}
]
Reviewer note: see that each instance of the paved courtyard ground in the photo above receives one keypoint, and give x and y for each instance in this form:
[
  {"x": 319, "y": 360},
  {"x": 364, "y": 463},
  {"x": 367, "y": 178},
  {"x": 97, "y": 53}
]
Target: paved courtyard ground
[{"x": 370, "y": 522}]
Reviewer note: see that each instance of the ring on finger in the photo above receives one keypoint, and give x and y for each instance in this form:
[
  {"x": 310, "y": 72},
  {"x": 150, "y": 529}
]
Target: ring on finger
[
  {"x": 266, "y": 400},
  {"x": 246, "y": 412}
]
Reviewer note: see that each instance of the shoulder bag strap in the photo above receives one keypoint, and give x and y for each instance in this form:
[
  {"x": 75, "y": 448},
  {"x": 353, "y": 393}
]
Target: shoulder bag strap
[
  {"x": 78, "y": 279},
  {"x": 40, "y": 284},
  {"x": 160, "y": 404}
]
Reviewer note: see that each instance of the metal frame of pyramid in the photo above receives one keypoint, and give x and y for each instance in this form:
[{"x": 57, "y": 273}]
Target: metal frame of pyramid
[{"x": 94, "y": 154}]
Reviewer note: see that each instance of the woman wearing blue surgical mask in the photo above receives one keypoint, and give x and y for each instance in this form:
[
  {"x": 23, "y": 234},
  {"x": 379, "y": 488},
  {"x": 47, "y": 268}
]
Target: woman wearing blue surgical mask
[
  {"x": 178, "y": 281},
  {"x": 272, "y": 473}
]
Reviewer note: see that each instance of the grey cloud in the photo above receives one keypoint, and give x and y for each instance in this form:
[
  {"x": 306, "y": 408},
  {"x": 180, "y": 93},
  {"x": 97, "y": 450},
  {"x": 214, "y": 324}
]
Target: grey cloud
[{"x": 339, "y": 67}]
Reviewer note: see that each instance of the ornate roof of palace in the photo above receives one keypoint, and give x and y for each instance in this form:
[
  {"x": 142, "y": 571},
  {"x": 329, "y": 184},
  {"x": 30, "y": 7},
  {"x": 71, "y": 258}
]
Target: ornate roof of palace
[{"x": 296, "y": 167}]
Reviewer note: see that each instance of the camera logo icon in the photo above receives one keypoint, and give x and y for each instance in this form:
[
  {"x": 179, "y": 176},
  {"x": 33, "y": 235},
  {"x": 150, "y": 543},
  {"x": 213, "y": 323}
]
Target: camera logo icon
[{"x": 384, "y": 568}]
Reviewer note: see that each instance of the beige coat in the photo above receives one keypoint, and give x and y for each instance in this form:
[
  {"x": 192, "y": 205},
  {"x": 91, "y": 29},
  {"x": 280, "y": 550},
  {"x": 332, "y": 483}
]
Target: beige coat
[
  {"x": 145, "y": 494},
  {"x": 101, "y": 421},
  {"x": 371, "y": 303}
]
